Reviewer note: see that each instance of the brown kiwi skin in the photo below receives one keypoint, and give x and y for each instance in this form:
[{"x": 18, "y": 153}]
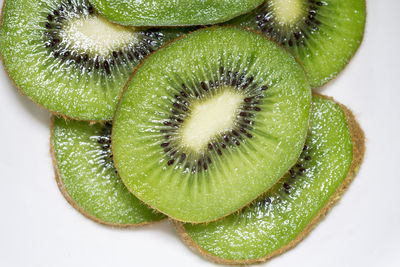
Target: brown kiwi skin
[
  {"x": 323, "y": 86},
  {"x": 162, "y": 47},
  {"x": 358, "y": 140},
  {"x": 71, "y": 201},
  {"x": 55, "y": 113},
  {"x": 334, "y": 78}
]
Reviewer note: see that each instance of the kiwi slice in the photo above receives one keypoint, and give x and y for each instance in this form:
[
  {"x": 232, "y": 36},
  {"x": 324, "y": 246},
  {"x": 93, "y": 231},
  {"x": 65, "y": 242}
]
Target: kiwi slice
[
  {"x": 323, "y": 35},
  {"x": 87, "y": 178},
  {"x": 66, "y": 57},
  {"x": 282, "y": 217},
  {"x": 209, "y": 122},
  {"x": 173, "y": 13}
]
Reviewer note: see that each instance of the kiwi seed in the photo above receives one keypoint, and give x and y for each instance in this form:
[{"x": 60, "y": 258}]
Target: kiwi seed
[
  {"x": 323, "y": 35},
  {"x": 281, "y": 218},
  {"x": 87, "y": 178},
  {"x": 205, "y": 115},
  {"x": 290, "y": 35},
  {"x": 234, "y": 137},
  {"x": 57, "y": 40},
  {"x": 66, "y": 57}
]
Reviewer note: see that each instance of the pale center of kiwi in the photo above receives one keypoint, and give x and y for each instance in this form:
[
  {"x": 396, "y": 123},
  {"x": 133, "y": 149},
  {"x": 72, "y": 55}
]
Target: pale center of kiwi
[
  {"x": 209, "y": 118},
  {"x": 288, "y": 11},
  {"x": 96, "y": 35}
]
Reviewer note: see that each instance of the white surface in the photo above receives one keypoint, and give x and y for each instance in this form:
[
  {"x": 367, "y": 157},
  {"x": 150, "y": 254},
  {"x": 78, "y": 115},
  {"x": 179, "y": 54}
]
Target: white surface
[{"x": 39, "y": 228}]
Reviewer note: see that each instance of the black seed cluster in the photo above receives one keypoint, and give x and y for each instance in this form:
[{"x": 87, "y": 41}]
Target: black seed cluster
[
  {"x": 267, "y": 22},
  {"x": 298, "y": 170},
  {"x": 287, "y": 187},
  {"x": 104, "y": 141},
  {"x": 180, "y": 105},
  {"x": 56, "y": 19}
]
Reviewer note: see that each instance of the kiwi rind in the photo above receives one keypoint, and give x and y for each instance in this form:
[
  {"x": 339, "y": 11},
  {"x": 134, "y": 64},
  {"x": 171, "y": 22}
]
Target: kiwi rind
[
  {"x": 13, "y": 82},
  {"x": 172, "y": 16},
  {"x": 73, "y": 203},
  {"x": 358, "y": 140},
  {"x": 94, "y": 111},
  {"x": 246, "y": 21},
  {"x": 212, "y": 28}
]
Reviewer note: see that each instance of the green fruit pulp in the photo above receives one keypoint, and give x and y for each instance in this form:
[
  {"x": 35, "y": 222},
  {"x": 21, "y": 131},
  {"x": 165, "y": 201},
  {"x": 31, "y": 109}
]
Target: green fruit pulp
[
  {"x": 278, "y": 217},
  {"x": 173, "y": 13},
  {"x": 323, "y": 44},
  {"x": 34, "y": 37},
  {"x": 82, "y": 153},
  {"x": 244, "y": 171}
]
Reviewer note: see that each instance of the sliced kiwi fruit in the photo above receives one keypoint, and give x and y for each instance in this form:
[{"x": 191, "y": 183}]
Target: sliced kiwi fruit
[
  {"x": 282, "y": 217},
  {"x": 87, "y": 178},
  {"x": 173, "y": 13},
  {"x": 67, "y": 58},
  {"x": 210, "y": 122},
  {"x": 323, "y": 35}
]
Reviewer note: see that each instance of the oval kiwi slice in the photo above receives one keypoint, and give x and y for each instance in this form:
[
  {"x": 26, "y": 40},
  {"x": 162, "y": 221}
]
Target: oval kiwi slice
[
  {"x": 87, "y": 178},
  {"x": 282, "y": 217},
  {"x": 323, "y": 35},
  {"x": 173, "y": 13},
  {"x": 209, "y": 122},
  {"x": 63, "y": 55}
]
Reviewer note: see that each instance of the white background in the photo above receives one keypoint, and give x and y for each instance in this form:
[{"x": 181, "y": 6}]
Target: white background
[{"x": 39, "y": 228}]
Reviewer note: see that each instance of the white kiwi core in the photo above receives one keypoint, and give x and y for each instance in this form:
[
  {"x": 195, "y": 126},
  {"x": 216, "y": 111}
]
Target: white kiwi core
[
  {"x": 96, "y": 35},
  {"x": 288, "y": 11},
  {"x": 209, "y": 118}
]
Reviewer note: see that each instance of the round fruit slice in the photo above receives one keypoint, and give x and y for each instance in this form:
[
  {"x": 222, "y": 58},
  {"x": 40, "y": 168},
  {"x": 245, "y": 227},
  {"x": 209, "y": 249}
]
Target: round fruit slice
[
  {"x": 323, "y": 35},
  {"x": 69, "y": 59},
  {"x": 173, "y": 13},
  {"x": 280, "y": 219},
  {"x": 209, "y": 122},
  {"x": 87, "y": 178}
]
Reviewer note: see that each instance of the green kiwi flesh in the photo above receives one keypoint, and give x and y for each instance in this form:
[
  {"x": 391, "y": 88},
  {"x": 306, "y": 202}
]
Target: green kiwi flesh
[
  {"x": 173, "y": 13},
  {"x": 67, "y": 58},
  {"x": 87, "y": 178},
  {"x": 323, "y": 35},
  {"x": 210, "y": 122},
  {"x": 282, "y": 217}
]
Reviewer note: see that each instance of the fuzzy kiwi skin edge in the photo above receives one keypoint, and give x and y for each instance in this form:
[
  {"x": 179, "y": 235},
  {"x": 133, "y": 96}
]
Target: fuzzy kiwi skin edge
[
  {"x": 320, "y": 86},
  {"x": 177, "y": 39},
  {"x": 23, "y": 94},
  {"x": 71, "y": 201},
  {"x": 358, "y": 140},
  {"x": 55, "y": 113},
  {"x": 340, "y": 72},
  {"x": 58, "y": 179}
]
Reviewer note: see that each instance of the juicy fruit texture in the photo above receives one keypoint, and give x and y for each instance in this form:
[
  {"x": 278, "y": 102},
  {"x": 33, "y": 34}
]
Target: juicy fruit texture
[
  {"x": 265, "y": 103},
  {"x": 323, "y": 35},
  {"x": 87, "y": 177},
  {"x": 173, "y": 13},
  {"x": 69, "y": 59},
  {"x": 286, "y": 213}
]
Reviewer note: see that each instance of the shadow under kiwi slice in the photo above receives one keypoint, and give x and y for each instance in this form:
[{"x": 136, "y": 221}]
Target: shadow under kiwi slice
[
  {"x": 70, "y": 60},
  {"x": 87, "y": 178},
  {"x": 281, "y": 218}
]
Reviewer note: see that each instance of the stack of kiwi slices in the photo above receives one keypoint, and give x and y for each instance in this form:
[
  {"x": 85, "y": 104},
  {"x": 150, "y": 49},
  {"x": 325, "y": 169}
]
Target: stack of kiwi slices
[{"x": 160, "y": 114}]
